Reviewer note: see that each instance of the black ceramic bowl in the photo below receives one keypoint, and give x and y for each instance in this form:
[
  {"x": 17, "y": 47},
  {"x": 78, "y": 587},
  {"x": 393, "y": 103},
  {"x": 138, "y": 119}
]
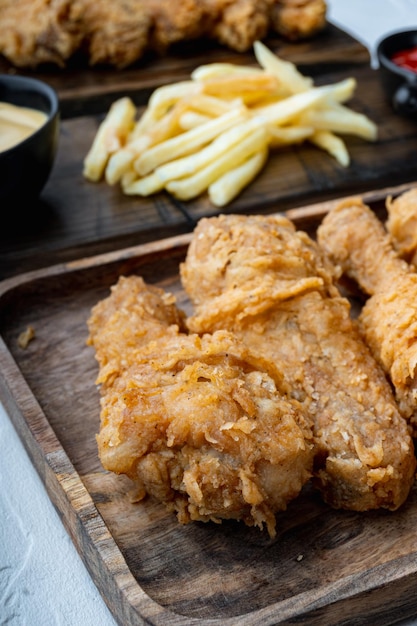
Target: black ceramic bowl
[
  {"x": 25, "y": 167},
  {"x": 400, "y": 84}
]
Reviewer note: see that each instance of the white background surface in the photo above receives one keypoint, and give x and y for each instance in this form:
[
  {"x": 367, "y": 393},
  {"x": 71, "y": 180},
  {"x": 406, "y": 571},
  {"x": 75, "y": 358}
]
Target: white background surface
[{"x": 43, "y": 581}]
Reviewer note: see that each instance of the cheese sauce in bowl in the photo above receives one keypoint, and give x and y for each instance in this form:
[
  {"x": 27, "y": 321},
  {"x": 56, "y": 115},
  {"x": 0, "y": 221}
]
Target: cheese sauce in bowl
[
  {"x": 18, "y": 123},
  {"x": 29, "y": 134}
]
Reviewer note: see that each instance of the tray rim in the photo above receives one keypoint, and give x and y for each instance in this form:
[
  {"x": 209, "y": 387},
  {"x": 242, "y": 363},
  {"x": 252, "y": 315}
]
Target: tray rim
[{"x": 77, "y": 510}]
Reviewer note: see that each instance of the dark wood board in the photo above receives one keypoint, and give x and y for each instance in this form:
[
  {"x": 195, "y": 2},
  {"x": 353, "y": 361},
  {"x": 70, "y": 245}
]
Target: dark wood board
[
  {"x": 74, "y": 217},
  {"x": 325, "y": 567}
]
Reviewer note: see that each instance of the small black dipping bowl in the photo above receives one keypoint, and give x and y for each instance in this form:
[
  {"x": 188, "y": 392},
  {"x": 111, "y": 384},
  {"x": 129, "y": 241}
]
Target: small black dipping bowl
[
  {"x": 400, "y": 84},
  {"x": 25, "y": 167}
]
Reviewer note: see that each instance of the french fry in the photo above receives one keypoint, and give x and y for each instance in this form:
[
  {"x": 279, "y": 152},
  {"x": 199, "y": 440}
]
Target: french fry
[
  {"x": 110, "y": 137},
  {"x": 286, "y": 135},
  {"x": 118, "y": 163},
  {"x": 187, "y": 142},
  {"x": 145, "y": 186},
  {"x": 192, "y": 119},
  {"x": 213, "y": 132},
  {"x": 146, "y": 120},
  {"x": 163, "y": 129},
  {"x": 249, "y": 87},
  {"x": 192, "y": 186},
  {"x": 252, "y": 99},
  {"x": 163, "y": 98},
  {"x": 160, "y": 102},
  {"x": 189, "y": 165},
  {"x": 285, "y": 71},
  {"x": 212, "y": 106},
  {"x": 340, "y": 119},
  {"x": 228, "y": 186},
  {"x": 128, "y": 177},
  {"x": 244, "y": 85},
  {"x": 289, "y": 108},
  {"x": 214, "y": 70},
  {"x": 332, "y": 144}
]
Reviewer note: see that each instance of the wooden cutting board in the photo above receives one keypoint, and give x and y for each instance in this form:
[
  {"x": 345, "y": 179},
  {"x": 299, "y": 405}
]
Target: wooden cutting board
[
  {"x": 75, "y": 217},
  {"x": 325, "y": 567}
]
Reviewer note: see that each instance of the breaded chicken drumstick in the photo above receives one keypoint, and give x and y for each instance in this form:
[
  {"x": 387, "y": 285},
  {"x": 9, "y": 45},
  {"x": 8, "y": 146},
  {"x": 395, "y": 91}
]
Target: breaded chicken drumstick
[
  {"x": 269, "y": 284},
  {"x": 355, "y": 238},
  {"x": 196, "y": 422},
  {"x": 402, "y": 224}
]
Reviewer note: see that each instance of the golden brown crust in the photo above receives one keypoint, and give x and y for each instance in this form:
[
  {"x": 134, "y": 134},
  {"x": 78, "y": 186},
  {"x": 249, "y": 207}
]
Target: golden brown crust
[
  {"x": 42, "y": 31},
  {"x": 241, "y": 23},
  {"x": 197, "y": 423},
  {"x": 353, "y": 237},
  {"x": 118, "y": 33},
  {"x": 114, "y": 33},
  {"x": 402, "y": 224},
  {"x": 174, "y": 22},
  {"x": 272, "y": 287},
  {"x": 298, "y": 19}
]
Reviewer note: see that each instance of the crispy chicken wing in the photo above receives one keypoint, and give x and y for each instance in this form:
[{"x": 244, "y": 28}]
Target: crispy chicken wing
[
  {"x": 353, "y": 237},
  {"x": 270, "y": 285},
  {"x": 196, "y": 422}
]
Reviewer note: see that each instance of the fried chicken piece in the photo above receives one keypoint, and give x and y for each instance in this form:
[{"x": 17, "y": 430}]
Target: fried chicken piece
[
  {"x": 271, "y": 286},
  {"x": 402, "y": 224},
  {"x": 39, "y": 31},
  {"x": 118, "y": 33},
  {"x": 177, "y": 21},
  {"x": 197, "y": 423},
  {"x": 240, "y": 23},
  {"x": 115, "y": 33},
  {"x": 234, "y": 23},
  {"x": 297, "y": 19},
  {"x": 354, "y": 237},
  {"x": 52, "y": 31}
]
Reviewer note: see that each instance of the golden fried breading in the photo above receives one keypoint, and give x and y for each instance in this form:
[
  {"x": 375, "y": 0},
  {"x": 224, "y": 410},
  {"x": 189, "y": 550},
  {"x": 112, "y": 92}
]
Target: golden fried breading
[
  {"x": 353, "y": 237},
  {"x": 297, "y": 19},
  {"x": 176, "y": 21},
  {"x": 402, "y": 224},
  {"x": 271, "y": 286},
  {"x": 118, "y": 33},
  {"x": 115, "y": 33},
  {"x": 194, "y": 422},
  {"x": 240, "y": 23},
  {"x": 39, "y": 31},
  {"x": 133, "y": 316}
]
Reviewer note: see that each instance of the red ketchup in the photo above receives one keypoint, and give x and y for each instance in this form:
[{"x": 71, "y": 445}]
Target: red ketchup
[{"x": 406, "y": 59}]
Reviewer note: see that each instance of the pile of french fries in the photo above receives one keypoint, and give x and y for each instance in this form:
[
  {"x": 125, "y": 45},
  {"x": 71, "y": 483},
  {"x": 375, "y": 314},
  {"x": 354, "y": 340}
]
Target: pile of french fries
[{"x": 213, "y": 133}]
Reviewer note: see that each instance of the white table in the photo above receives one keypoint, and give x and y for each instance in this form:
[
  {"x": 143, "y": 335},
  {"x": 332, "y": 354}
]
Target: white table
[{"x": 43, "y": 581}]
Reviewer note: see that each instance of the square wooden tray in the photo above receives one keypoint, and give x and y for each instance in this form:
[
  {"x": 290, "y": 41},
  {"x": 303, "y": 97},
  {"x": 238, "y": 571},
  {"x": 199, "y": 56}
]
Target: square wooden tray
[{"x": 324, "y": 567}]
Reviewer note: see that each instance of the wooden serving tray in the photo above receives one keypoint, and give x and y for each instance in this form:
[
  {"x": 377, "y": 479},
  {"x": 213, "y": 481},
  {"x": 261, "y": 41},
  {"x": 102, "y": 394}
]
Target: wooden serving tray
[
  {"x": 75, "y": 217},
  {"x": 325, "y": 567}
]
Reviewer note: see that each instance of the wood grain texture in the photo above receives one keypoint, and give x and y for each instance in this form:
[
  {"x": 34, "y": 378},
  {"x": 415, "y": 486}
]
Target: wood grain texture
[
  {"x": 325, "y": 567},
  {"x": 75, "y": 218}
]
